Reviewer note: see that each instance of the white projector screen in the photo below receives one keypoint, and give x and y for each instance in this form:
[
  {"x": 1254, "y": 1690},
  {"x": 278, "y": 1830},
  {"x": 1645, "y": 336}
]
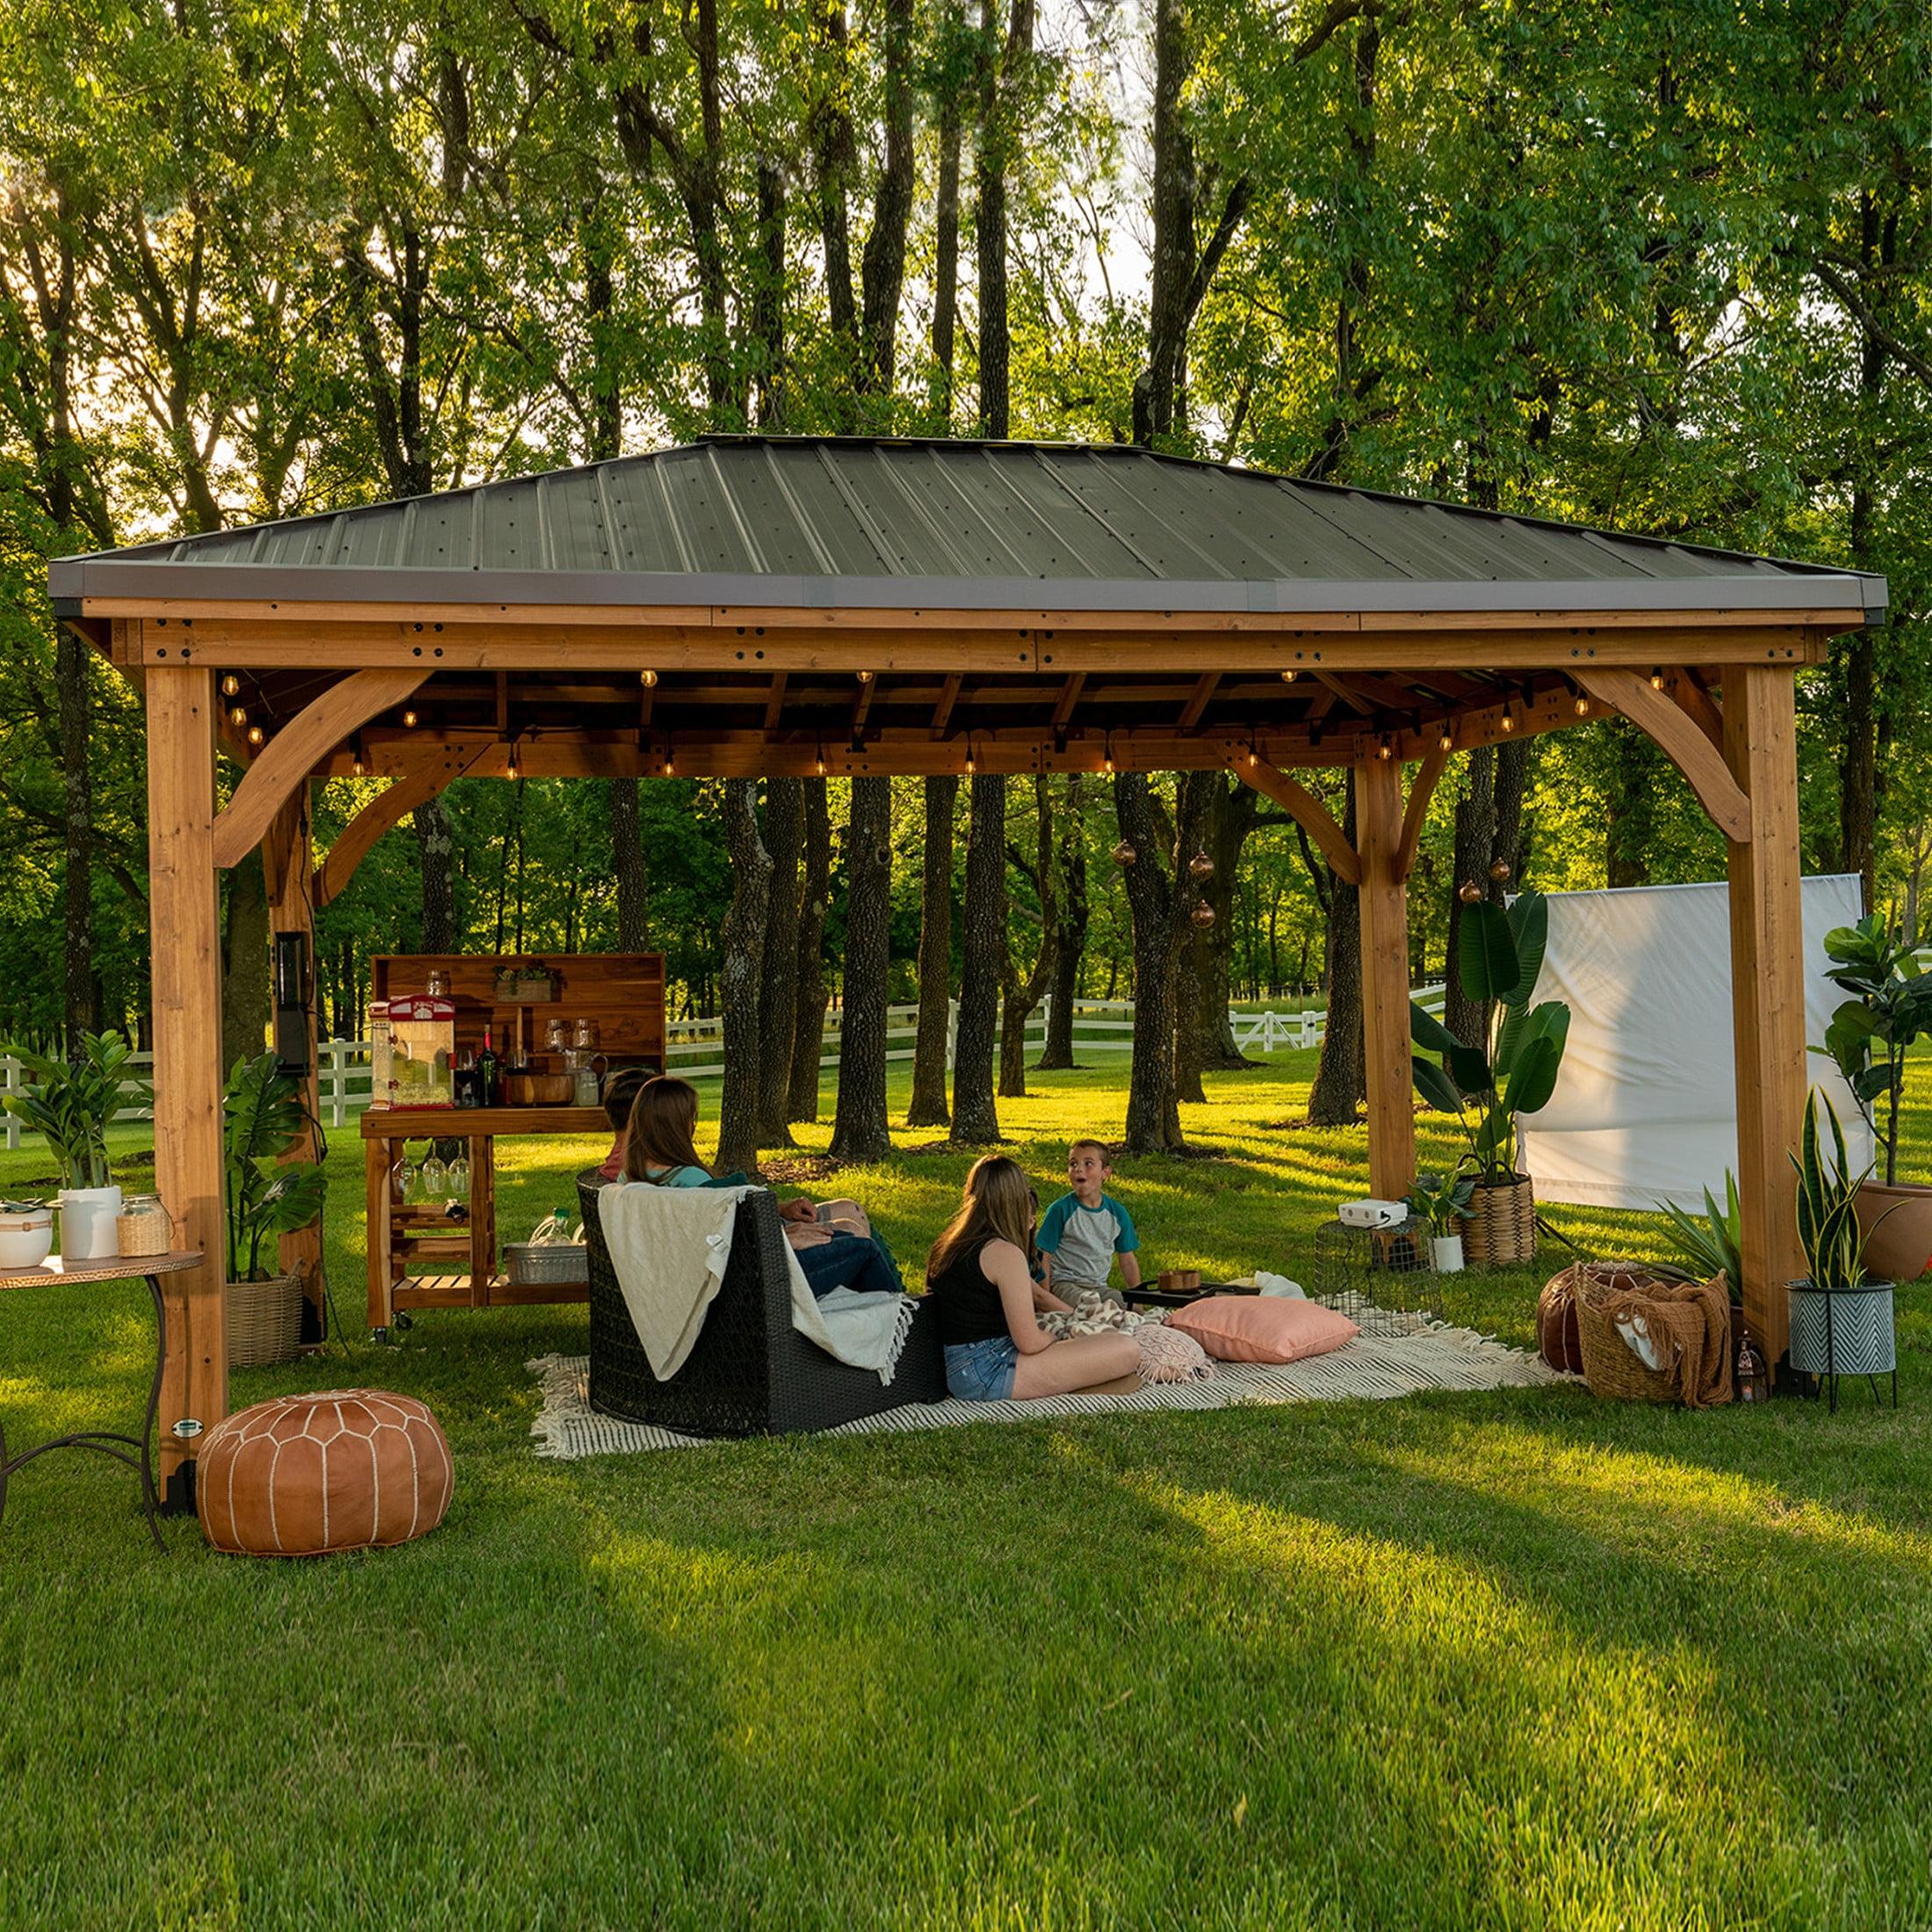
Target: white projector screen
[{"x": 1646, "y": 1107}]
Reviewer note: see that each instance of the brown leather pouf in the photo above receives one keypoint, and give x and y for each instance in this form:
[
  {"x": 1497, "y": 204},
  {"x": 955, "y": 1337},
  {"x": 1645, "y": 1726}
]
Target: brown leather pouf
[
  {"x": 302, "y": 1475},
  {"x": 1557, "y": 1341}
]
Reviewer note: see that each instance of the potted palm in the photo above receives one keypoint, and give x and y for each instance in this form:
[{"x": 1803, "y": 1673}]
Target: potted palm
[
  {"x": 69, "y": 1104},
  {"x": 1513, "y": 1072},
  {"x": 1841, "y": 1313},
  {"x": 1442, "y": 1201},
  {"x": 1890, "y": 1007},
  {"x": 266, "y": 1119},
  {"x": 1708, "y": 1244}
]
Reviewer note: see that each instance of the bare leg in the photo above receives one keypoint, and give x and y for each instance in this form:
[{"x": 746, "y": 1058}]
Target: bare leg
[{"x": 1079, "y": 1362}]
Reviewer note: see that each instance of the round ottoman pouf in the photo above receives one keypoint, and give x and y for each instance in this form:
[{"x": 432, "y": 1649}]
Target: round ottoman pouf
[{"x": 302, "y": 1475}]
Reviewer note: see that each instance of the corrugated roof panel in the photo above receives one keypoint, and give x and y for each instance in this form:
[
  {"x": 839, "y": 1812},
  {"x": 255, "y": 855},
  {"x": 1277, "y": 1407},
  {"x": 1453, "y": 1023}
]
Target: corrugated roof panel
[
  {"x": 572, "y": 508},
  {"x": 302, "y": 541},
  {"x": 510, "y": 527},
  {"x": 916, "y": 541},
  {"x": 1000, "y": 534},
  {"x": 378, "y": 535}
]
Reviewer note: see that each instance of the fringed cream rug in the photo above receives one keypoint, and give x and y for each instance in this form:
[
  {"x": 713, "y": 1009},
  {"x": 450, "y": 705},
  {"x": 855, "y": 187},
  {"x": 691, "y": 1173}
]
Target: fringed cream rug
[{"x": 1428, "y": 1355}]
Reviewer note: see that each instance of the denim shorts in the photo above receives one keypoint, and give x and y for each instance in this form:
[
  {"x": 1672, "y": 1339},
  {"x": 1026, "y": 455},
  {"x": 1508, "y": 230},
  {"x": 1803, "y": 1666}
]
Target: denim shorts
[{"x": 982, "y": 1372}]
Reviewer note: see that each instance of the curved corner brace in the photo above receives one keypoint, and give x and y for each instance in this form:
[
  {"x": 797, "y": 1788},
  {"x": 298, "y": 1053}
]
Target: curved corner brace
[
  {"x": 358, "y": 839},
  {"x": 1434, "y": 762},
  {"x": 1682, "y": 741},
  {"x": 1306, "y": 809}
]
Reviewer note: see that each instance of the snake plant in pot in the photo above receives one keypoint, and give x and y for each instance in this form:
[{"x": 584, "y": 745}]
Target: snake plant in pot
[
  {"x": 1890, "y": 1007},
  {"x": 1513, "y": 1072},
  {"x": 1840, "y": 1314},
  {"x": 71, "y": 1103},
  {"x": 266, "y": 1120}
]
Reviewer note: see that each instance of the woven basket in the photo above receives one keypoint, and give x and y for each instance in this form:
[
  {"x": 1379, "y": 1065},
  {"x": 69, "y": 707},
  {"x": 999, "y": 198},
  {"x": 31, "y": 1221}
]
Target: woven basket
[
  {"x": 264, "y": 1321},
  {"x": 1611, "y": 1365},
  {"x": 1500, "y": 1232},
  {"x": 544, "y": 1264}
]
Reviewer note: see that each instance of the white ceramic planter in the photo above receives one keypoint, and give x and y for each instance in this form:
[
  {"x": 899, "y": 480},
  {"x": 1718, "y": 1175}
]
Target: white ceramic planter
[
  {"x": 25, "y": 1237},
  {"x": 88, "y": 1230},
  {"x": 1445, "y": 1251}
]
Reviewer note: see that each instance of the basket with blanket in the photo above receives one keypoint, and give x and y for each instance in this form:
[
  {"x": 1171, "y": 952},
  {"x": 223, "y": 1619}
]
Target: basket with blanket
[
  {"x": 749, "y": 1371},
  {"x": 1644, "y": 1337}
]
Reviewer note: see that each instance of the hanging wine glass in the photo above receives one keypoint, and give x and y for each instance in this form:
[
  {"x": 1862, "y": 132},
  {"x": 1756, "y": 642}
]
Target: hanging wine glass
[
  {"x": 402, "y": 1179},
  {"x": 459, "y": 1178},
  {"x": 435, "y": 1180}
]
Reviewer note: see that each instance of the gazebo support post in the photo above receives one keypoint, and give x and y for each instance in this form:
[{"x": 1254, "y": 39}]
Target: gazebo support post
[
  {"x": 1384, "y": 902},
  {"x": 184, "y": 928},
  {"x": 287, "y": 864},
  {"x": 1767, "y": 991}
]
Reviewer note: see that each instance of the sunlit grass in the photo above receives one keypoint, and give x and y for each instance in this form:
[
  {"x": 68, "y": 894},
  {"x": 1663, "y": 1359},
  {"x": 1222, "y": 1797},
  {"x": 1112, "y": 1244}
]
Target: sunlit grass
[{"x": 1517, "y": 1659}]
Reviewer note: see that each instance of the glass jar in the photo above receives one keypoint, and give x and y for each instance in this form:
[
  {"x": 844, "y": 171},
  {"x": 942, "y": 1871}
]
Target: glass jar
[
  {"x": 144, "y": 1225},
  {"x": 438, "y": 986}
]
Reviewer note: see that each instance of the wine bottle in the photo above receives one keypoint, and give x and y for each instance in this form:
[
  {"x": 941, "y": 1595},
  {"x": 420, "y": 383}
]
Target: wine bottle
[{"x": 489, "y": 1093}]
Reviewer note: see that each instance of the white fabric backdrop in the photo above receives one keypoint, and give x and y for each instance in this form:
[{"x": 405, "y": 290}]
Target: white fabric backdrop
[{"x": 1646, "y": 1107}]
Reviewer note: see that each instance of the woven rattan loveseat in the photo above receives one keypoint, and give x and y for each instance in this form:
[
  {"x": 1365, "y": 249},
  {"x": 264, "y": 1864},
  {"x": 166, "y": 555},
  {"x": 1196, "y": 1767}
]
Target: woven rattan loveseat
[{"x": 750, "y": 1373}]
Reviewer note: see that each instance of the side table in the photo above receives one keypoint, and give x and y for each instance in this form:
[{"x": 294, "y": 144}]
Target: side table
[{"x": 150, "y": 1268}]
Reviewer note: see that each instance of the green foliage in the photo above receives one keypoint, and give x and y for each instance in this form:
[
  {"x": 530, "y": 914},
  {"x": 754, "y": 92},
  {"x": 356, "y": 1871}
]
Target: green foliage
[
  {"x": 1890, "y": 1006},
  {"x": 1828, "y": 1232},
  {"x": 1706, "y": 1246},
  {"x": 1500, "y": 961},
  {"x": 1442, "y": 1199},
  {"x": 266, "y": 1117},
  {"x": 70, "y": 1102}
]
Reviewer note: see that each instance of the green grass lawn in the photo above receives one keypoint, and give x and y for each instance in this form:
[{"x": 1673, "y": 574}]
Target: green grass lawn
[{"x": 1518, "y": 1659}]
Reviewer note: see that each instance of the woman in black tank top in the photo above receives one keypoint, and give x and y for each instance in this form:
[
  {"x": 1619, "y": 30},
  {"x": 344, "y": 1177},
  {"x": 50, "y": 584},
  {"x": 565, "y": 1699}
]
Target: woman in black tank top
[{"x": 977, "y": 1272}]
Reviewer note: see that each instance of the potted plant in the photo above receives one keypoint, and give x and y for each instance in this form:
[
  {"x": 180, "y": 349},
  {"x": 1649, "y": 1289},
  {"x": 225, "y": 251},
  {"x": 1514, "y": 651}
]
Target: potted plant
[
  {"x": 266, "y": 1118},
  {"x": 1841, "y": 1313},
  {"x": 1890, "y": 1007},
  {"x": 69, "y": 1104},
  {"x": 1513, "y": 1072},
  {"x": 1707, "y": 1244},
  {"x": 1443, "y": 1201}
]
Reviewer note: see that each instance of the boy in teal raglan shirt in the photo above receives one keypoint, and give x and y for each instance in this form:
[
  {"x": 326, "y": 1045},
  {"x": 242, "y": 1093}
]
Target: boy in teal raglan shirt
[{"x": 1083, "y": 1230}]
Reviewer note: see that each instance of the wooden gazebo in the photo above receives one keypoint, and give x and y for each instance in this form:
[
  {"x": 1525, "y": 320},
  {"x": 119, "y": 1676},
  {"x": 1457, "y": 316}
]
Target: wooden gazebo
[{"x": 766, "y": 605}]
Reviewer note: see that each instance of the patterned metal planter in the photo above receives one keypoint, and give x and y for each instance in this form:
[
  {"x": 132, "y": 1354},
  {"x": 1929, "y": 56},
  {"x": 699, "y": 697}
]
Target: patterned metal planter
[{"x": 1844, "y": 1332}]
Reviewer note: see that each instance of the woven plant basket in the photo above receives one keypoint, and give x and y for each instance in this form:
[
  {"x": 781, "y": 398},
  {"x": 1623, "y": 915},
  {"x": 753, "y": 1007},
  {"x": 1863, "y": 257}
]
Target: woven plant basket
[
  {"x": 264, "y": 1321},
  {"x": 1611, "y": 1365},
  {"x": 1500, "y": 1232}
]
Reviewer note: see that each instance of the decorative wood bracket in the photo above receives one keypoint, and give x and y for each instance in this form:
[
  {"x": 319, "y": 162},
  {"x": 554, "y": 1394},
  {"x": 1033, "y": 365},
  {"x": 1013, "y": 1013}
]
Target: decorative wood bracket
[
  {"x": 298, "y": 748},
  {"x": 1305, "y": 809},
  {"x": 358, "y": 839},
  {"x": 1435, "y": 762},
  {"x": 1682, "y": 741}
]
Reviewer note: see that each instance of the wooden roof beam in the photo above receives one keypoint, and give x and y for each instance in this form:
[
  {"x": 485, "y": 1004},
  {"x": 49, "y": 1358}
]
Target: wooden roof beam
[
  {"x": 1070, "y": 695},
  {"x": 1198, "y": 702},
  {"x": 942, "y": 712},
  {"x": 1304, "y": 808},
  {"x": 775, "y": 701}
]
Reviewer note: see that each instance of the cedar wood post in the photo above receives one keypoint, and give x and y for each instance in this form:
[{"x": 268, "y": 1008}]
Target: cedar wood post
[
  {"x": 1767, "y": 991},
  {"x": 186, "y": 967},
  {"x": 1384, "y": 902},
  {"x": 288, "y": 862}
]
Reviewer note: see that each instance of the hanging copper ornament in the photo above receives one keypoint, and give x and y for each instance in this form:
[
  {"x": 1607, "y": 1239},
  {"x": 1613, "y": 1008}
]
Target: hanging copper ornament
[
  {"x": 1499, "y": 871},
  {"x": 1124, "y": 853},
  {"x": 1200, "y": 866},
  {"x": 1202, "y": 915},
  {"x": 1470, "y": 893}
]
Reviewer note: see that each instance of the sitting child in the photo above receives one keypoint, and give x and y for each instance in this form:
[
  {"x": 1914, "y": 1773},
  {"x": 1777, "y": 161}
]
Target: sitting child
[
  {"x": 1082, "y": 1232},
  {"x": 620, "y": 1094}
]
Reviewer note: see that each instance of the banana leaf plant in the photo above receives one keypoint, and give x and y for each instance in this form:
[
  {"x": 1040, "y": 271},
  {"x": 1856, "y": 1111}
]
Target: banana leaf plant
[
  {"x": 265, "y": 1115},
  {"x": 1487, "y": 1087},
  {"x": 71, "y": 1102},
  {"x": 1827, "y": 1202},
  {"x": 1890, "y": 1007}
]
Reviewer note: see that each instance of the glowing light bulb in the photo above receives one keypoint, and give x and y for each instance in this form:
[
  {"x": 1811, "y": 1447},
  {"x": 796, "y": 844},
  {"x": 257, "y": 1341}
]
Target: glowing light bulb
[
  {"x": 1508, "y": 719},
  {"x": 1657, "y": 681},
  {"x": 1385, "y": 749},
  {"x": 358, "y": 767},
  {"x": 257, "y": 735},
  {"x": 1581, "y": 707},
  {"x": 1447, "y": 741},
  {"x": 1289, "y": 677},
  {"x": 231, "y": 686},
  {"x": 865, "y": 677},
  {"x": 648, "y": 679},
  {"x": 238, "y": 718},
  {"x": 409, "y": 719}
]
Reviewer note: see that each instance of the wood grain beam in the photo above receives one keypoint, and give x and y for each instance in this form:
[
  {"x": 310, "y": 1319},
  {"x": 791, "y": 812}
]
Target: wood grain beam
[
  {"x": 295, "y": 751},
  {"x": 1682, "y": 741},
  {"x": 1427, "y": 774},
  {"x": 358, "y": 839},
  {"x": 774, "y": 701},
  {"x": 1198, "y": 700},
  {"x": 942, "y": 712},
  {"x": 1383, "y": 902},
  {"x": 1304, "y": 807},
  {"x": 1070, "y": 695},
  {"x": 1340, "y": 688}
]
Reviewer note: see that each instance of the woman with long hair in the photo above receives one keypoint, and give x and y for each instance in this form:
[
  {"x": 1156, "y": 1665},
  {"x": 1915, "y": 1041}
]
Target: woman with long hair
[
  {"x": 980, "y": 1274},
  {"x": 658, "y": 1147}
]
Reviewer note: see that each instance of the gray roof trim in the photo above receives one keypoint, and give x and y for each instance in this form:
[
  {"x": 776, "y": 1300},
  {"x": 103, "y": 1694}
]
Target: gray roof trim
[{"x": 72, "y": 578}]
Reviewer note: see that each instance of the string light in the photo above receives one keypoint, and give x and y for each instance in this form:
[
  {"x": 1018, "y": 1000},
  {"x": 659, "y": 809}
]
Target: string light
[
  {"x": 1447, "y": 741},
  {"x": 1107, "y": 763},
  {"x": 1656, "y": 680},
  {"x": 358, "y": 767},
  {"x": 231, "y": 686},
  {"x": 1581, "y": 706},
  {"x": 648, "y": 679},
  {"x": 238, "y": 718},
  {"x": 409, "y": 719},
  {"x": 1508, "y": 719},
  {"x": 513, "y": 770},
  {"x": 971, "y": 766},
  {"x": 865, "y": 677},
  {"x": 1289, "y": 677},
  {"x": 1386, "y": 749},
  {"x": 257, "y": 735}
]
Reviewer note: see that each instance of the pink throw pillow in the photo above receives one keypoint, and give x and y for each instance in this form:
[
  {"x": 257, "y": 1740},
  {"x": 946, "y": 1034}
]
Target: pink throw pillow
[{"x": 1262, "y": 1328}]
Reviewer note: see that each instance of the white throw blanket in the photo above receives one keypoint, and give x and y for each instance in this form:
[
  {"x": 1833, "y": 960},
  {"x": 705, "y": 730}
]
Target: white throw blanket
[{"x": 670, "y": 1246}]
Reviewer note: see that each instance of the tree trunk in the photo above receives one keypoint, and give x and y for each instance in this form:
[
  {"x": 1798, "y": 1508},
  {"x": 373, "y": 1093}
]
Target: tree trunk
[
  {"x": 1475, "y": 845},
  {"x": 778, "y": 1005},
  {"x": 769, "y": 297},
  {"x": 928, "y": 1106},
  {"x": 1022, "y": 994},
  {"x": 859, "y": 1129},
  {"x": 79, "y": 1011},
  {"x": 945, "y": 217},
  {"x": 435, "y": 847},
  {"x": 744, "y": 945},
  {"x": 245, "y": 965},
  {"x": 975, "y": 1115},
  {"x": 1204, "y": 1038},
  {"x": 1341, "y": 1080},
  {"x": 882, "y": 270},
  {"x": 627, "y": 862},
  {"x": 808, "y": 1033},
  {"x": 1000, "y": 93},
  {"x": 1069, "y": 939}
]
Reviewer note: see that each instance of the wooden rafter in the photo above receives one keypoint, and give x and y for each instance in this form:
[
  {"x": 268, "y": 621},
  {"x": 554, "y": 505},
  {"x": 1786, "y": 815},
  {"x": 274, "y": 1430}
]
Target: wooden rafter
[
  {"x": 358, "y": 839},
  {"x": 298, "y": 748},
  {"x": 942, "y": 712},
  {"x": 1435, "y": 762},
  {"x": 1342, "y": 688},
  {"x": 1304, "y": 808},
  {"x": 1198, "y": 700},
  {"x": 1070, "y": 695},
  {"x": 775, "y": 701},
  {"x": 1682, "y": 741}
]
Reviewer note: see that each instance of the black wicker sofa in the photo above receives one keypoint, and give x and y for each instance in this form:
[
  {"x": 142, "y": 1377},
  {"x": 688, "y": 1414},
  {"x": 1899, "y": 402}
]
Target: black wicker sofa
[{"x": 750, "y": 1373}]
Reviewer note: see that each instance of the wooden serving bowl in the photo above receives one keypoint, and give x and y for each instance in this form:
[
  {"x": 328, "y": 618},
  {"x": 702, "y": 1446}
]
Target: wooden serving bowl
[{"x": 538, "y": 1089}]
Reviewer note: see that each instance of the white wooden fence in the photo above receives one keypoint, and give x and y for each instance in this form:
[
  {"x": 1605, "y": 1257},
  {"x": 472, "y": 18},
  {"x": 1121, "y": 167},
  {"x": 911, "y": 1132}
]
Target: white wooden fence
[{"x": 694, "y": 1048}]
